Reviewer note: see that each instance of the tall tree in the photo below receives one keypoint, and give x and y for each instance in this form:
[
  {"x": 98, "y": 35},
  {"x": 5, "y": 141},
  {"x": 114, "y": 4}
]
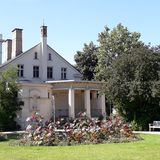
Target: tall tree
[
  {"x": 131, "y": 72},
  {"x": 134, "y": 85},
  {"x": 86, "y": 61},
  {"x": 112, "y": 44},
  {"x": 9, "y": 103}
]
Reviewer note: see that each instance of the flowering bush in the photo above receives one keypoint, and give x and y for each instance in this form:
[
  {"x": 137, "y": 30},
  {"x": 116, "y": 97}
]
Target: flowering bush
[{"x": 82, "y": 130}]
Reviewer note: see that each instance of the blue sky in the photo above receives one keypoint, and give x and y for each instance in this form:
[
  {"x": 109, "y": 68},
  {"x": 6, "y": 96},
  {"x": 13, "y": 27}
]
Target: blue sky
[{"x": 71, "y": 23}]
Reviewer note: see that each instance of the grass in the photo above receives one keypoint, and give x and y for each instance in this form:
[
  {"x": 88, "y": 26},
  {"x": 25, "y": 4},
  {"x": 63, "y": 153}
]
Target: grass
[{"x": 147, "y": 149}]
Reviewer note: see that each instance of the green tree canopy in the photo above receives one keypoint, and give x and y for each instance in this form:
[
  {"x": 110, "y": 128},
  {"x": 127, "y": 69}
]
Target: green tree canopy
[
  {"x": 86, "y": 61},
  {"x": 112, "y": 44},
  {"x": 131, "y": 71},
  {"x": 9, "y": 103},
  {"x": 133, "y": 85}
]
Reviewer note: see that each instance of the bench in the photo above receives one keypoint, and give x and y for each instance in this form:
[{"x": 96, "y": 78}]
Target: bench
[{"x": 155, "y": 124}]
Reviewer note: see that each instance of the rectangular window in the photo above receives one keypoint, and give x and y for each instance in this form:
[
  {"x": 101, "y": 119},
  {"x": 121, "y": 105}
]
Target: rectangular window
[
  {"x": 20, "y": 71},
  {"x": 49, "y": 72},
  {"x": 36, "y": 71},
  {"x": 49, "y": 57},
  {"x": 63, "y": 73},
  {"x": 35, "y": 55}
]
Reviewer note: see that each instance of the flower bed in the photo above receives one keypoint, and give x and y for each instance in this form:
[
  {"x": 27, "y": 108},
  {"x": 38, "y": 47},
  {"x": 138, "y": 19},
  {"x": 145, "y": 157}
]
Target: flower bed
[{"x": 82, "y": 130}]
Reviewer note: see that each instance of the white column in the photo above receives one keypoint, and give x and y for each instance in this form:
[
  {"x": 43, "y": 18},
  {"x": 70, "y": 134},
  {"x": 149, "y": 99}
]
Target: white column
[
  {"x": 53, "y": 108},
  {"x": 94, "y": 93},
  {"x": 87, "y": 102},
  {"x": 71, "y": 103},
  {"x": 103, "y": 104}
]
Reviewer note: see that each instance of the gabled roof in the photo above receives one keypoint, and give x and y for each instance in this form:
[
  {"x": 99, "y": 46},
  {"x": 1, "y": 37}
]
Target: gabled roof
[
  {"x": 17, "y": 57},
  {"x": 22, "y": 54},
  {"x": 64, "y": 60}
]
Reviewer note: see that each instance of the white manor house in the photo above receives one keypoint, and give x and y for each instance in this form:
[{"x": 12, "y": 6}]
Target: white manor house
[{"x": 49, "y": 84}]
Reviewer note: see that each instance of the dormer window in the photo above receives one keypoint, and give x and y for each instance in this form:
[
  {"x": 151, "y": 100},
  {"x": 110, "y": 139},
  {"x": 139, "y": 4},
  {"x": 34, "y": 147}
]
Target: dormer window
[
  {"x": 35, "y": 55},
  {"x": 49, "y": 57}
]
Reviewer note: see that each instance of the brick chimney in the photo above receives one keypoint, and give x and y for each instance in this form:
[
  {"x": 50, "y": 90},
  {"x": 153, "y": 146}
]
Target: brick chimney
[
  {"x": 16, "y": 42},
  {"x": 8, "y": 48}
]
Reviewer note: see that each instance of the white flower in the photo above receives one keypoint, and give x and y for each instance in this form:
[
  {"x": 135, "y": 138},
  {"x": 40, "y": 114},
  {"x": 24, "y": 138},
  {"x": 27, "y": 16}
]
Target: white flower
[
  {"x": 29, "y": 127},
  {"x": 28, "y": 119}
]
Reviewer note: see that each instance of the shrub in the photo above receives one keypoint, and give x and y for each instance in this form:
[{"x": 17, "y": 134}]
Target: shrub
[
  {"x": 3, "y": 137},
  {"x": 82, "y": 130}
]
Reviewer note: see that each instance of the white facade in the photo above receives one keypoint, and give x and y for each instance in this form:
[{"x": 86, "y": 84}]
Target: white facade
[
  {"x": 28, "y": 60},
  {"x": 51, "y": 85}
]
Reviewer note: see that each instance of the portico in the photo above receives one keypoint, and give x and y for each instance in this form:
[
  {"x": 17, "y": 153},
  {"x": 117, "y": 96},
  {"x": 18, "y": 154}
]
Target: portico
[{"x": 72, "y": 97}]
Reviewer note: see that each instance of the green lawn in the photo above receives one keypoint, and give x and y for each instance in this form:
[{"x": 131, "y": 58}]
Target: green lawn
[{"x": 148, "y": 149}]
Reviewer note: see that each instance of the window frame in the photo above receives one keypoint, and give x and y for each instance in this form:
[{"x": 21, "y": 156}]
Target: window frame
[
  {"x": 20, "y": 70},
  {"x": 35, "y": 55},
  {"x": 63, "y": 73},
  {"x": 35, "y": 71},
  {"x": 49, "y": 72},
  {"x": 49, "y": 57}
]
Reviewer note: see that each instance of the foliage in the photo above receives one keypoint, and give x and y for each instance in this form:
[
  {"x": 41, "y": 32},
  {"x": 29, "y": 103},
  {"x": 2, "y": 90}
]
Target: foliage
[
  {"x": 135, "y": 126},
  {"x": 133, "y": 85},
  {"x": 3, "y": 138},
  {"x": 112, "y": 44},
  {"x": 82, "y": 130},
  {"x": 131, "y": 72},
  {"x": 86, "y": 61},
  {"x": 9, "y": 103}
]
